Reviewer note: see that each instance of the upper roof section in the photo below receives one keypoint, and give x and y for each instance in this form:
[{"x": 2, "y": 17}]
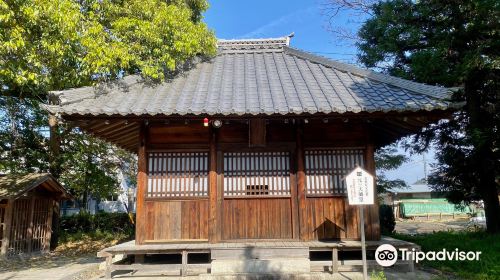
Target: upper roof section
[
  {"x": 256, "y": 77},
  {"x": 14, "y": 185}
]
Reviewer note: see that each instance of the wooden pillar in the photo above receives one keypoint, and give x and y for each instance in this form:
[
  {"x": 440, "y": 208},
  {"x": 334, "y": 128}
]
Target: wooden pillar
[
  {"x": 335, "y": 260},
  {"x": 142, "y": 181},
  {"x": 371, "y": 213},
  {"x": 294, "y": 199},
  {"x": 301, "y": 184},
  {"x": 48, "y": 227},
  {"x": 215, "y": 195},
  {"x": 6, "y": 227},
  {"x": 54, "y": 225}
]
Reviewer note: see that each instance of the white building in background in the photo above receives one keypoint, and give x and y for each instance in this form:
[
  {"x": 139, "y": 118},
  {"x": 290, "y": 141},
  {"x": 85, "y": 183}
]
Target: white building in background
[{"x": 123, "y": 203}]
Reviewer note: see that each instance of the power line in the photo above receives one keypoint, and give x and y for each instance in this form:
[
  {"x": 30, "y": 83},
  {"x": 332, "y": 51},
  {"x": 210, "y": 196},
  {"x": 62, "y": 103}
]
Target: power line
[{"x": 335, "y": 53}]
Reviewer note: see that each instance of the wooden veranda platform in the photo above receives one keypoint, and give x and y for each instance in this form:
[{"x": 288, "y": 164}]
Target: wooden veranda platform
[{"x": 257, "y": 250}]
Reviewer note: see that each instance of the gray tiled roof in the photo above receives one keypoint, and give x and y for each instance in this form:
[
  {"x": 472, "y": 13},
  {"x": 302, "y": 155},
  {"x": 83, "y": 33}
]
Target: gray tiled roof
[
  {"x": 251, "y": 77},
  {"x": 15, "y": 185}
]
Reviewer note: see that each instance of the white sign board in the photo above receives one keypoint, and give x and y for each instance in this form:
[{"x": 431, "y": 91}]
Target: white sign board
[{"x": 360, "y": 187}]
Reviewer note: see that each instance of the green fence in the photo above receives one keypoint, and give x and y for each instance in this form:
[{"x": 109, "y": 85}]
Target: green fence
[{"x": 433, "y": 206}]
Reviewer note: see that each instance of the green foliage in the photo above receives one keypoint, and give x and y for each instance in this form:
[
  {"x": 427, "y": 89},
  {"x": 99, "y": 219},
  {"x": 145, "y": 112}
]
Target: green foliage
[
  {"x": 452, "y": 44},
  {"x": 379, "y": 275},
  {"x": 23, "y": 145},
  {"x": 387, "y": 221},
  {"x": 487, "y": 268},
  {"x": 56, "y": 44},
  {"x": 388, "y": 158},
  {"x": 116, "y": 223},
  {"x": 89, "y": 166},
  {"x": 48, "y": 45}
]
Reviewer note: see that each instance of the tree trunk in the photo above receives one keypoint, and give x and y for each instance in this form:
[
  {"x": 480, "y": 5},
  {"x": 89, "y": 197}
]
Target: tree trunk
[
  {"x": 480, "y": 123},
  {"x": 54, "y": 143}
]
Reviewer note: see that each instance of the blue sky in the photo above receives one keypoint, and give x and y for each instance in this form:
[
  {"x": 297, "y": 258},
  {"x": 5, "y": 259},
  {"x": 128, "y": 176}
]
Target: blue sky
[
  {"x": 307, "y": 19},
  {"x": 265, "y": 19}
]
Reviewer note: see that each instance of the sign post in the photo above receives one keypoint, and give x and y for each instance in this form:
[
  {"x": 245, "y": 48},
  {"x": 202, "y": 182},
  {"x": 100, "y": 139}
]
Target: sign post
[{"x": 360, "y": 191}]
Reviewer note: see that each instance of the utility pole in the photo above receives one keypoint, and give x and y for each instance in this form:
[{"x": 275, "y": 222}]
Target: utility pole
[{"x": 425, "y": 168}]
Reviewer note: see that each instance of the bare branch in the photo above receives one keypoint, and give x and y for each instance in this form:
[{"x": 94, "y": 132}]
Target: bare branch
[{"x": 356, "y": 10}]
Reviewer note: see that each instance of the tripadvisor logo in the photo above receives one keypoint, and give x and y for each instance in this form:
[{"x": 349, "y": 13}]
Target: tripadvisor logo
[{"x": 387, "y": 255}]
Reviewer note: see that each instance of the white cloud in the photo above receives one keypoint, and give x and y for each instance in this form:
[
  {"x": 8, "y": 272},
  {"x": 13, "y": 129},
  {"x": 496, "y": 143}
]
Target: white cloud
[{"x": 280, "y": 25}]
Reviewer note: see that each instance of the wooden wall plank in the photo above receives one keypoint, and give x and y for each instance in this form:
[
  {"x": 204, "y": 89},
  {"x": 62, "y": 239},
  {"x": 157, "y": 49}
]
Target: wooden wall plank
[
  {"x": 339, "y": 218},
  {"x": 178, "y": 133},
  {"x": 256, "y": 218},
  {"x": 177, "y": 220},
  {"x": 327, "y": 219},
  {"x": 7, "y": 227},
  {"x": 30, "y": 224},
  {"x": 257, "y": 133}
]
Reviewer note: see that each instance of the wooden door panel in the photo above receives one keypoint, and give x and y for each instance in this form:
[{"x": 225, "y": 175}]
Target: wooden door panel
[
  {"x": 257, "y": 218},
  {"x": 177, "y": 220}
]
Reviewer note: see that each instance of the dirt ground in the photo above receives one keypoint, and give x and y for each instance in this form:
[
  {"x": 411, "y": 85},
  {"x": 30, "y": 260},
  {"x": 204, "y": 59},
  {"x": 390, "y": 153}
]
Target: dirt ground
[
  {"x": 70, "y": 261},
  {"x": 78, "y": 261},
  {"x": 419, "y": 227}
]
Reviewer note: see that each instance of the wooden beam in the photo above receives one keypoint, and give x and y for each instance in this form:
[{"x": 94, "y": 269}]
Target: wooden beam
[
  {"x": 301, "y": 184},
  {"x": 6, "y": 227},
  {"x": 142, "y": 181},
  {"x": 214, "y": 226},
  {"x": 122, "y": 135}
]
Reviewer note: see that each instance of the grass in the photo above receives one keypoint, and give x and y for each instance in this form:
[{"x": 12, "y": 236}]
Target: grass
[{"x": 487, "y": 268}]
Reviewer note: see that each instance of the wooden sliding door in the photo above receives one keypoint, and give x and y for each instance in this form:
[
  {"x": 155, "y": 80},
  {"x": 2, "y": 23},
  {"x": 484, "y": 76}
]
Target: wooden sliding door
[{"x": 257, "y": 195}]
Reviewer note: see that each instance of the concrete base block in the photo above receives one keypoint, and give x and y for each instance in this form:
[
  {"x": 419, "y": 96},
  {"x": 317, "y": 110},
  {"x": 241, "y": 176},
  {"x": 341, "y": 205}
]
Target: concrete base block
[
  {"x": 256, "y": 277},
  {"x": 116, "y": 258},
  {"x": 272, "y": 266},
  {"x": 301, "y": 276}
]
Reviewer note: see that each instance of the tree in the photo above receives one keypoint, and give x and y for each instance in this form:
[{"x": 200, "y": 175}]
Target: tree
[
  {"x": 48, "y": 45},
  {"x": 453, "y": 44},
  {"x": 23, "y": 145},
  {"x": 56, "y": 44},
  {"x": 388, "y": 158}
]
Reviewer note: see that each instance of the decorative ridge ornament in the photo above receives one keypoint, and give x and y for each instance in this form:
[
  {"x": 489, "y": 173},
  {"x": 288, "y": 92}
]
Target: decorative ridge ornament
[{"x": 265, "y": 44}]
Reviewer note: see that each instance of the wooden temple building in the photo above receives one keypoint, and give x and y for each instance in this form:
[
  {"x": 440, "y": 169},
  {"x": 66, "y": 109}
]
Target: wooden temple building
[
  {"x": 252, "y": 146},
  {"x": 28, "y": 205}
]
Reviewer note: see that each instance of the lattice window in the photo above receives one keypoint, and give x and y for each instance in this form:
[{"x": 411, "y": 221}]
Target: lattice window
[
  {"x": 257, "y": 173},
  {"x": 177, "y": 174},
  {"x": 326, "y": 169}
]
